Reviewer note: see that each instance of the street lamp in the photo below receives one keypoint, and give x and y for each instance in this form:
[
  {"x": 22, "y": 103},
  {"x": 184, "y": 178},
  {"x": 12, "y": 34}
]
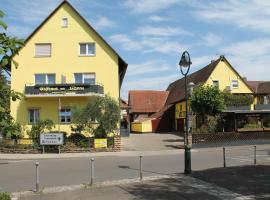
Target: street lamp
[{"x": 185, "y": 62}]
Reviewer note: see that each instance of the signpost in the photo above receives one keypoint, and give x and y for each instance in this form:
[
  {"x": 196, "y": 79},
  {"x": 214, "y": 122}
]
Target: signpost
[{"x": 51, "y": 139}]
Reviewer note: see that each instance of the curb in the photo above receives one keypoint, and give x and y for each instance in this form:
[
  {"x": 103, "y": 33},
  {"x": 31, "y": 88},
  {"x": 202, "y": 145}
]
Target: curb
[
  {"x": 57, "y": 189},
  {"x": 87, "y": 155}
]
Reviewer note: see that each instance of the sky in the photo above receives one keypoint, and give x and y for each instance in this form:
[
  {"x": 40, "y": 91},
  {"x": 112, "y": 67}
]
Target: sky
[{"x": 150, "y": 35}]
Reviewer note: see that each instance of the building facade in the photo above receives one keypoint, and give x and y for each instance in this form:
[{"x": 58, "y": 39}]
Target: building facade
[
  {"x": 63, "y": 64},
  {"x": 219, "y": 73}
]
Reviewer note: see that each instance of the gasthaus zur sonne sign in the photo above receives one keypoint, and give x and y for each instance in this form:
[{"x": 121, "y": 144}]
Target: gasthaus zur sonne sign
[{"x": 51, "y": 139}]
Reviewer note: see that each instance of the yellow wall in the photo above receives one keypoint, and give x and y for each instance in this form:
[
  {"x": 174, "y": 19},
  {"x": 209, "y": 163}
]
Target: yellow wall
[
  {"x": 225, "y": 74},
  {"x": 142, "y": 127},
  {"x": 64, "y": 60}
]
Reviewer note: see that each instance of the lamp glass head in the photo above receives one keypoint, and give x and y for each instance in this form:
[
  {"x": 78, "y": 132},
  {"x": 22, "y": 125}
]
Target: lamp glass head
[{"x": 185, "y": 60}]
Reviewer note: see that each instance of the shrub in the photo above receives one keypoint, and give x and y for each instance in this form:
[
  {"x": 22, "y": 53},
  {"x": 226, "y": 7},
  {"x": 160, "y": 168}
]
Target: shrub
[
  {"x": 5, "y": 196},
  {"x": 100, "y": 116},
  {"x": 79, "y": 140},
  {"x": 38, "y": 128},
  {"x": 252, "y": 126}
]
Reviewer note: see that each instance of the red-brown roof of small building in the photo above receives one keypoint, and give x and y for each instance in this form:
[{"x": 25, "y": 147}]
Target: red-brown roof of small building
[
  {"x": 146, "y": 101},
  {"x": 262, "y": 87},
  {"x": 177, "y": 88},
  {"x": 123, "y": 104}
]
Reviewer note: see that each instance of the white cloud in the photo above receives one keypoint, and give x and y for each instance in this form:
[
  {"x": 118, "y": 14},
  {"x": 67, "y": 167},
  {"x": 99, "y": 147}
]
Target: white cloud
[
  {"x": 19, "y": 31},
  {"x": 148, "y": 83},
  {"x": 126, "y": 42},
  {"x": 157, "y": 18},
  {"x": 147, "y": 67},
  {"x": 211, "y": 39},
  {"x": 149, "y": 44},
  {"x": 164, "y": 31},
  {"x": 253, "y": 14},
  {"x": 104, "y": 22},
  {"x": 250, "y": 58},
  {"x": 202, "y": 61},
  {"x": 32, "y": 11},
  {"x": 149, "y": 6},
  {"x": 163, "y": 45}
]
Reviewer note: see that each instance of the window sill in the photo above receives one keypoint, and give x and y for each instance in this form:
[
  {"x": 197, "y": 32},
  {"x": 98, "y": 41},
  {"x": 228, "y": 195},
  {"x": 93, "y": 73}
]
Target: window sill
[
  {"x": 42, "y": 56},
  {"x": 91, "y": 55}
]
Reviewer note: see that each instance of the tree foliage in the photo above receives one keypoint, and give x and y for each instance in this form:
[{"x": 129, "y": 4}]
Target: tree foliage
[
  {"x": 9, "y": 46},
  {"x": 238, "y": 100},
  {"x": 207, "y": 100},
  {"x": 100, "y": 116},
  {"x": 41, "y": 126}
]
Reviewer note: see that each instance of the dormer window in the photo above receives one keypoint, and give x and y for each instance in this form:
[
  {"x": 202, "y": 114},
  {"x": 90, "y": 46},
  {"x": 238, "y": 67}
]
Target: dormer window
[
  {"x": 87, "y": 49},
  {"x": 64, "y": 22}
]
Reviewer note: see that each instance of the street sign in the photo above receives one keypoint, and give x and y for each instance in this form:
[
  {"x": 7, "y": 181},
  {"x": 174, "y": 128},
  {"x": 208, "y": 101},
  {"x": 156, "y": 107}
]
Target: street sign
[{"x": 51, "y": 139}]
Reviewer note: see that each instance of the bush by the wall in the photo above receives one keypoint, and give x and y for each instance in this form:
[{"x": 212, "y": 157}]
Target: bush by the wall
[{"x": 5, "y": 196}]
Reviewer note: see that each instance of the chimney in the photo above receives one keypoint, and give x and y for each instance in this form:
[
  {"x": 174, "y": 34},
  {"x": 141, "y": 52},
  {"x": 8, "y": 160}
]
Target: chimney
[
  {"x": 244, "y": 78},
  {"x": 212, "y": 61}
]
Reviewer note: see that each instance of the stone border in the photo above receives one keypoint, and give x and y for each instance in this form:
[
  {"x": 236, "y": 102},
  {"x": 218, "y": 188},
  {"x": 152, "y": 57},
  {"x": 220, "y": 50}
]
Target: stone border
[
  {"x": 198, "y": 138},
  {"x": 115, "y": 148}
]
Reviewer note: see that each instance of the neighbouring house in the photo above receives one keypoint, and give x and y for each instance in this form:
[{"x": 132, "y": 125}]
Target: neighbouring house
[
  {"x": 124, "y": 113},
  {"x": 63, "y": 64},
  {"x": 143, "y": 104},
  {"x": 219, "y": 73}
]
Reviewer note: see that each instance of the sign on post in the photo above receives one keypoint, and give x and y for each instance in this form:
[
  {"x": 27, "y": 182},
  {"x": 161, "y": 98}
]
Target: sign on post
[{"x": 51, "y": 139}]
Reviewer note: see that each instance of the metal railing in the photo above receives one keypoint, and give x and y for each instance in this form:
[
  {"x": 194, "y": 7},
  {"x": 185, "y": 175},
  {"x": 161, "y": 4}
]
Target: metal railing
[{"x": 76, "y": 88}]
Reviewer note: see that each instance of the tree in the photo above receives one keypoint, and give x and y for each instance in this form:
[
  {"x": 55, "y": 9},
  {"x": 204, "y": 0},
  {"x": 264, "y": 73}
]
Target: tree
[
  {"x": 9, "y": 46},
  {"x": 40, "y": 127},
  {"x": 207, "y": 101},
  {"x": 100, "y": 116}
]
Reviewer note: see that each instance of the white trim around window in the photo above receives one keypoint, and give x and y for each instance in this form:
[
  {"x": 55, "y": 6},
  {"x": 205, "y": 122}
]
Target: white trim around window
[
  {"x": 235, "y": 84},
  {"x": 33, "y": 115},
  {"x": 87, "y": 78},
  {"x": 64, "y": 22},
  {"x": 43, "y": 49},
  {"x": 48, "y": 79},
  {"x": 65, "y": 115},
  {"x": 87, "y": 49}
]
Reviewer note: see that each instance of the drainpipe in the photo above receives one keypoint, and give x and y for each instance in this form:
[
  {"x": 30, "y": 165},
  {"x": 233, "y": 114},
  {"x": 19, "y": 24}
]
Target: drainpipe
[{"x": 59, "y": 110}]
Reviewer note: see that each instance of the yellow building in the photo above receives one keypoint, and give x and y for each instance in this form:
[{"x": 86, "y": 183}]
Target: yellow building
[
  {"x": 218, "y": 73},
  {"x": 64, "y": 63}
]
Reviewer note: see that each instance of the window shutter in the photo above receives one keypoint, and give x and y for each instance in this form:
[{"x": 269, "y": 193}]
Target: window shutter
[{"x": 43, "y": 49}]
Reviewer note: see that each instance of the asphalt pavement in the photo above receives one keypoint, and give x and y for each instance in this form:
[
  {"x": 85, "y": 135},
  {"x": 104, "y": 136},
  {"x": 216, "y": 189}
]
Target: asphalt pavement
[{"x": 19, "y": 175}]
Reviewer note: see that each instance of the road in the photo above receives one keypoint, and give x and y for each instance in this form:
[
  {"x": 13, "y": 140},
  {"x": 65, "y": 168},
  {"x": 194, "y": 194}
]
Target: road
[{"x": 20, "y": 175}]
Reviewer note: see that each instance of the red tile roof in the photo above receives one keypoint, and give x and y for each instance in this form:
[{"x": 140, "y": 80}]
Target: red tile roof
[
  {"x": 146, "y": 101},
  {"x": 123, "y": 104},
  {"x": 177, "y": 88},
  {"x": 260, "y": 86}
]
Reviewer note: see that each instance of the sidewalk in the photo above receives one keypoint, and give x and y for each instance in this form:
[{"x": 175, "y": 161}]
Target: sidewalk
[
  {"x": 179, "y": 187},
  {"x": 238, "y": 183}
]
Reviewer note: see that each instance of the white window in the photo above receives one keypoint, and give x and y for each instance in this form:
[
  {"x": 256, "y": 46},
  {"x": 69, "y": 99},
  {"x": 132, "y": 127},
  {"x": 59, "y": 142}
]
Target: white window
[
  {"x": 64, "y": 22},
  {"x": 88, "y": 78},
  {"x": 33, "y": 115},
  {"x": 44, "y": 79},
  {"x": 43, "y": 50},
  {"x": 234, "y": 83},
  {"x": 87, "y": 49},
  {"x": 65, "y": 115},
  {"x": 216, "y": 83}
]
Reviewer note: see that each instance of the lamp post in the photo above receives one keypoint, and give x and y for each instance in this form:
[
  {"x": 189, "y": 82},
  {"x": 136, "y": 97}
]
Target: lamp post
[{"x": 185, "y": 62}]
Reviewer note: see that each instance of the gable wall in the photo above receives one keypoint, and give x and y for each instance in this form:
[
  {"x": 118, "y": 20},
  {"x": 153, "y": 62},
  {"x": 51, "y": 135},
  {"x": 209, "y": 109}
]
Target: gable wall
[
  {"x": 225, "y": 74},
  {"x": 65, "y": 59}
]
